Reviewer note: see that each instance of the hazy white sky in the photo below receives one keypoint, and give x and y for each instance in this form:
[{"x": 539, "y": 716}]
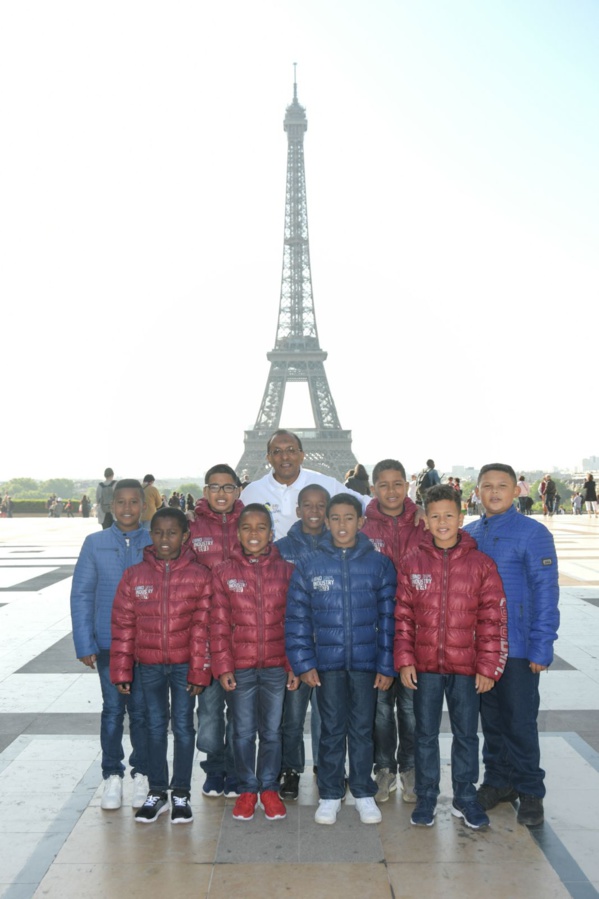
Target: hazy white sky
[{"x": 453, "y": 190}]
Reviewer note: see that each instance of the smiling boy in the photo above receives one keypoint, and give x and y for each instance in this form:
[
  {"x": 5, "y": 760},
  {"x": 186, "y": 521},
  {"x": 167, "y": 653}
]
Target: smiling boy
[
  {"x": 160, "y": 626},
  {"x": 103, "y": 559},
  {"x": 524, "y": 552},
  {"x": 247, "y": 644},
  {"x": 448, "y": 644},
  {"x": 339, "y": 635},
  {"x": 304, "y": 537},
  {"x": 213, "y": 534},
  {"x": 394, "y": 526}
]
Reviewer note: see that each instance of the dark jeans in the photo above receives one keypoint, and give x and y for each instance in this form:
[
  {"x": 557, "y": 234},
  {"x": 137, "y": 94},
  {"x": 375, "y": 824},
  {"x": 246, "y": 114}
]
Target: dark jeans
[
  {"x": 215, "y": 737},
  {"x": 257, "y": 708},
  {"x": 347, "y": 703},
  {"x": 295, "y": 707},
  {"x": 463, "y": 703},
  {"x": 112, "y": 720},
  {"x": 159, "y": 683},
  {"x": 398, "y": 700},
  {"x": 511, "y": 751}
]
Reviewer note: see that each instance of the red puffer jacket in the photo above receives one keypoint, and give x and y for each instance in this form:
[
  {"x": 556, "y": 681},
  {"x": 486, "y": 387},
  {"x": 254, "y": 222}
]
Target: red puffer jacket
[
  {"x": 451, "y": 611},
  {"x": 393, "y": 536},
  {"x": 160, "y": 617},
  {"x": 247, "y": 618},
  {"x": 213, "y": 535}
]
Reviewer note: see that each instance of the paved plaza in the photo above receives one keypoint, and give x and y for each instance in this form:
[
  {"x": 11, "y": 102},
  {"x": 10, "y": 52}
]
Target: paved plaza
[{"x": 57, "y": 842}]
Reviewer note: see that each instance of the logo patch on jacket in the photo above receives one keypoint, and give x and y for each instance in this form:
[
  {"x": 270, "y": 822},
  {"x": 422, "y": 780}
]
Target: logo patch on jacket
[
  {"x": 322, "y": 582},
  {"x": 236, "y": 585},
  {"x": 378, "y": 544},
  {"x": 143, "y": 592},
  {"x": 203, "y": 544},
  {"x": 421, "y": 581},
  {"x": 546, "y": 561}
]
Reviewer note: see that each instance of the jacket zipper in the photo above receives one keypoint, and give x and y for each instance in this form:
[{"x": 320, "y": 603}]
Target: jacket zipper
[
  {"x": 442, "y": 622},
  {"x": 260, "y": 616},
  {"x": 165, "y": 584},
  {"x": 346, "y": 609}
]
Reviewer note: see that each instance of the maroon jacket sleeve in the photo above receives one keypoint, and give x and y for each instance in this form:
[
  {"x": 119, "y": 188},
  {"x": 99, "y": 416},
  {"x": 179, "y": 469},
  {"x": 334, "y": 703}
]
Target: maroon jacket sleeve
[
  {"x": 221, "y": 650},
  {"x": 124, "y": 629},
  {"x": 405, "y": 629},
  {"x": 491, "y": 627},
  {"x": 199, "y": 662}
]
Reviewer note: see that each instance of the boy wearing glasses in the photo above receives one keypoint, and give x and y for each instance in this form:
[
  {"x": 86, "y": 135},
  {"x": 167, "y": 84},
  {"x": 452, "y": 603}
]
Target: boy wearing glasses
[{"x": 213, "y": 535}]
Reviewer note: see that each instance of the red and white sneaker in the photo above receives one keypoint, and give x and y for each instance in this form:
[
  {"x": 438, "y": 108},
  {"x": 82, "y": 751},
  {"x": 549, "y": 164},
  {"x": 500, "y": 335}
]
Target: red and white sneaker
[
  {"x": 243, "y": 810},
  {"x": 272, "y": 805}
]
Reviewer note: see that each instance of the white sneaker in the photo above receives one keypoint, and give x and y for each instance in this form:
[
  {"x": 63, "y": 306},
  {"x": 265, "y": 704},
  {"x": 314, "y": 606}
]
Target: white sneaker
[
  {"x": 326, "y": 813},
  {"x": 386, "y": 782},
  {"x": 141, "y": 788},
  {"x": 369, "y": 811},
  {"x": 112, "y": 797}
]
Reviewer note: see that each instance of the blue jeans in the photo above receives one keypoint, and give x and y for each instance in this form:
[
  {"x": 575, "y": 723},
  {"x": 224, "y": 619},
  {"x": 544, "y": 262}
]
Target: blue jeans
[
  {"x": 112, "y": 720},
  {"x": 215, "y": 738},
  {"x": 511, "y": 751},
  {"x": 295, "y": 707},
  {"x": 257, "y": 707},
  {"x": 387, "y": 754},
  {"x": 463, "y": 703},
  {"x": 347, "y": 704},
  {"x": 158, "y": 682}
]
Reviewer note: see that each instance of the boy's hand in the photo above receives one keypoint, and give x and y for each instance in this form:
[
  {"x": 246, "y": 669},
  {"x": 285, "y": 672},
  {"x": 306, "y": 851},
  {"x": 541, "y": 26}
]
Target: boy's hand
[
  {"x": 483, "y": 684},
  {"x": 293, "y": 682},
  {"x": 89, "y": 660},
  {"x": 408, "y": 676},
  {"x": 382, "y": 682},
  {"x": 227, "y": 681},
  {"x": 536, "y": 668},
  {"x": 311, "y": 678},
  {"x": 194, "y": 689},
  {"x": 419, "y": 516},
  {"x": 125, "y": 689}
]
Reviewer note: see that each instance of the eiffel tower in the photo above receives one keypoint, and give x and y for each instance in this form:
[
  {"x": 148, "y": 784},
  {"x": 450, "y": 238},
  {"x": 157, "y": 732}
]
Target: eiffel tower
[{"x": 297, "y": 355}]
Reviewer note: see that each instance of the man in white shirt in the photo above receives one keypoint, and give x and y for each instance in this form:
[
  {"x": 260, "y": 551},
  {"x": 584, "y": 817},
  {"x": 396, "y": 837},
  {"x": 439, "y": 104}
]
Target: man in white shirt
[{"x": 279, "y": 488}]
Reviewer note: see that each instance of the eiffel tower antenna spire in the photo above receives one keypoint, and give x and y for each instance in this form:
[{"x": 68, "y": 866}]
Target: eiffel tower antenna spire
[{"x": 297, "y": 355}]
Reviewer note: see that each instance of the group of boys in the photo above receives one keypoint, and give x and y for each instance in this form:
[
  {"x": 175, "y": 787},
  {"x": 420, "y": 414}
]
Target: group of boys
[{"x": 375, "y": 614}]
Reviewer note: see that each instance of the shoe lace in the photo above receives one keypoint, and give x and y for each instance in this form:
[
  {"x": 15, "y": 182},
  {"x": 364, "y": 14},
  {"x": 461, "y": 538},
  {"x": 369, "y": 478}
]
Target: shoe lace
[
  {"x": 180, "y": 801},
  {"x": 152, "y": 799}
]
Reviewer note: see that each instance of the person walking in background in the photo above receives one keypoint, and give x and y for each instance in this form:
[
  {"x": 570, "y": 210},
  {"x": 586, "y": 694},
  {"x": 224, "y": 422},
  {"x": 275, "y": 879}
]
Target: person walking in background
[
  {"x": 358, "y": 481},
  {"x": 153, "y": 501},
  {"x": 589, "y": 495},
  {"x": 104, "y": 495},
  {"x": 524, "y": 488}
]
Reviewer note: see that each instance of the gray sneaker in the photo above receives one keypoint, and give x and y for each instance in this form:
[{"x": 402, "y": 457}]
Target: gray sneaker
[
  {"x": 386, "y": 782},
  {"x": 407, "y": 785}
]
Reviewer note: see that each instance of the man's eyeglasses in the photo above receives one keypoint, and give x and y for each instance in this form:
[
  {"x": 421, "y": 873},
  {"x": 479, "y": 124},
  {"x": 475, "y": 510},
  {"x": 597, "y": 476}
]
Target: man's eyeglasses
[
  {"x": 226, "y": 488},
  {"x": 288, "y": 451}
]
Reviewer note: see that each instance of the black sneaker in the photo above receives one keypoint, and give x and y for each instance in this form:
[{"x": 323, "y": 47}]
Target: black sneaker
[
  {"x": 155, "y": 805},
  {"x": 181, "y": 812},
  {"x": 488, "y": 796},
  {"x": 289, "y": 788},
  {"x": 471, "y": 813},
  {"x": 530, "y": 812}
]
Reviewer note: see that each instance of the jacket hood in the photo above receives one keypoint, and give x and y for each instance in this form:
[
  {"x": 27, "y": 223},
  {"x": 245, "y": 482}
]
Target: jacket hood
[
  {"x": 374, "y": 513},
  {"x": 138, "y": 535},
  {"x": 238, "y": 555},
  {"x": 186, "y": 557},
  {"x": 361, "y": 546},
  {"x": 202, "y": 509}
]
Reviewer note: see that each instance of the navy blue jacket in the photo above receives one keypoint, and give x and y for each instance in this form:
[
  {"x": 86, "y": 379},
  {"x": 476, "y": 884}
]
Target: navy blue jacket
[
  {"x": 104, "y": 557},
  {"x": 296, "y": 544},
  {"x": 524, "y": 552},
  {"x": 340, "y": 607}
]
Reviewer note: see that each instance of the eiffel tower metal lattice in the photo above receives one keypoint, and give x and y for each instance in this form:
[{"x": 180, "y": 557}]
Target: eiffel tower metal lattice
[{"x": 297, "y": 355}]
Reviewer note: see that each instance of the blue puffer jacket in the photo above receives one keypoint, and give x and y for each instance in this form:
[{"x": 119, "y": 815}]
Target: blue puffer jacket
[
  {"x": 296, "y": 544},
  {"x": 104, "y": 557},
  {"x": 340, "y": 606},
  {"x": 524, "y": 552}
]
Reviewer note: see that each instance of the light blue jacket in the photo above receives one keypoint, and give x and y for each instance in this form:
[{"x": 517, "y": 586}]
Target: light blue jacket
[
  {"x": 104, "y": 557},
  {"x": 524, "y": 552}
]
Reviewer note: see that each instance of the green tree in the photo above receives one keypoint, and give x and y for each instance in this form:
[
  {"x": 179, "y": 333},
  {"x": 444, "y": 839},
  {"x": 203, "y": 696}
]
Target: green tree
[
  {"x": 23, "y": 487},
  {"x": 62, "y": 487},
  {"x": 193, "y": 488}
]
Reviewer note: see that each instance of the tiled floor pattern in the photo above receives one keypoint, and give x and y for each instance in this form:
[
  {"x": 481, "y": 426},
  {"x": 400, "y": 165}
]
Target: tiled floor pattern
[{"x": 56, "y": 841}]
